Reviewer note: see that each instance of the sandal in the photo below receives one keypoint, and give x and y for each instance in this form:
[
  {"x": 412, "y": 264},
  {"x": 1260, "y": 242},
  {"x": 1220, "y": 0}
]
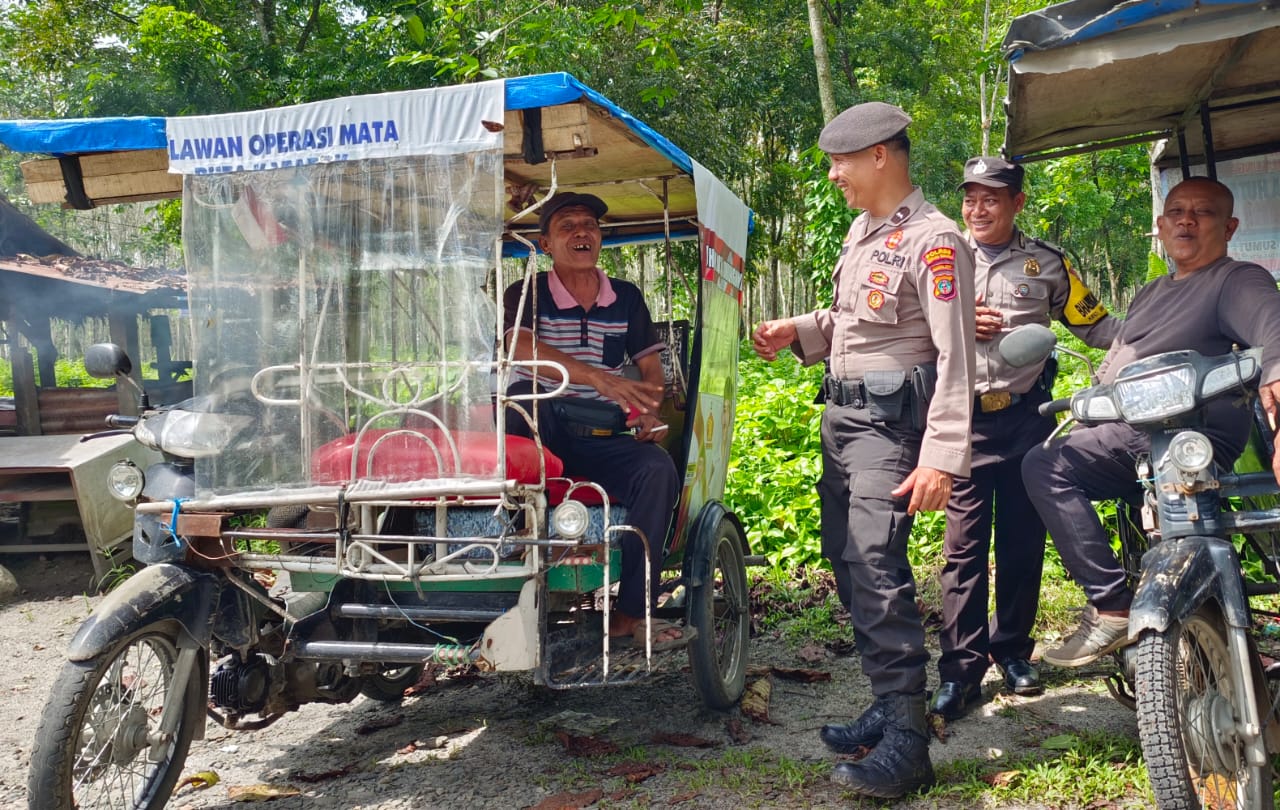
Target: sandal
[{"x": 660, "y": 626}]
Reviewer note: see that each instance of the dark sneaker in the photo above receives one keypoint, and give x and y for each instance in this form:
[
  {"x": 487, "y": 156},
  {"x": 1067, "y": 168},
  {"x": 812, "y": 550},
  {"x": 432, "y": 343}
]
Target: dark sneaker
[{"x": 1096, "y": 636}]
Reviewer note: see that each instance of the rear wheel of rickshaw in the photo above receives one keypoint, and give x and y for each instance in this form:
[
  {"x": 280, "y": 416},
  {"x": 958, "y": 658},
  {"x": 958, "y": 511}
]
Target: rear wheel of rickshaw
[
  {"x": 99, "y": 744},
  {"x": 1188, "y": 719},
  {"x": 718, "y": 609},
  {"x": 388, "y": 685}
]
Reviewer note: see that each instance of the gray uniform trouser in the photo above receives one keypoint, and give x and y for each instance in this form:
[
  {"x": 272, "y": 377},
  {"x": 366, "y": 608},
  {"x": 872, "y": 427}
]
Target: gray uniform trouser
[{"x": 864, "y": 535}]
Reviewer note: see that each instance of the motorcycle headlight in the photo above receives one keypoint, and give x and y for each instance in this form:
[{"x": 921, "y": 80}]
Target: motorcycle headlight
[
  {"x": 1190, "y": 452},
  {"x": 192, "y": 434},
  {"x": 1242, "y": 369},
  {"x": 1156, "y": 396},
  {"x": 570, "y": 520},
  {"x": 125, "y": 481}
]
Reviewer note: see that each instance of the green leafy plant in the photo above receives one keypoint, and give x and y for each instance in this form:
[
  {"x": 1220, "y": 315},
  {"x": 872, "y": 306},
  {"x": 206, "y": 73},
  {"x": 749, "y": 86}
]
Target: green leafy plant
[{"x": 777, "y": 459}]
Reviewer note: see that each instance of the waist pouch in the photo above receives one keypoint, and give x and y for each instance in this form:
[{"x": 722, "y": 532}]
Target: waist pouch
[
  {"x": 923, "y": 380},
  {"x": 588, "y": 417},
  {"x": 886, "y": 395}
]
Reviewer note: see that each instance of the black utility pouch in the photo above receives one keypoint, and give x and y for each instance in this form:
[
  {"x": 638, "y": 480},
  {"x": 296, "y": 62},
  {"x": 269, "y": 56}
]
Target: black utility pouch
[
  {"x": 923, "y": 380},
  {"x": 1049, "y": 374},
  {"x": 587, "y": 416},
  {"x": 886, "y": 395}
]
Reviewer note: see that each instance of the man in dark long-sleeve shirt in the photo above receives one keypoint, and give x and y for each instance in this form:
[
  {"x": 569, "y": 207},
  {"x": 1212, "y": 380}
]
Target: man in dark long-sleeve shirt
[{"x": 1208, "y": 303}]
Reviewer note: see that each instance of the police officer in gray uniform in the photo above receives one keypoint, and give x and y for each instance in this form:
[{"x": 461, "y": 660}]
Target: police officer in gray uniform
[
  {"x": 1018, "y": 280},
  {"x": 903, "y": 312}
]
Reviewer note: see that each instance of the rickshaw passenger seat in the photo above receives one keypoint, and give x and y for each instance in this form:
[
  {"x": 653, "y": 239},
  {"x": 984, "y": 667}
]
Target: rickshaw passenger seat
[
  {"x": 558, "y": 488},
  {"x": 408, "y": 457}
]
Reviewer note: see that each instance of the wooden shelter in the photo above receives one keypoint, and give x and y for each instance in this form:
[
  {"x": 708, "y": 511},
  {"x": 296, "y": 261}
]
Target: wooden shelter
[{"x": 53, "y": 477}]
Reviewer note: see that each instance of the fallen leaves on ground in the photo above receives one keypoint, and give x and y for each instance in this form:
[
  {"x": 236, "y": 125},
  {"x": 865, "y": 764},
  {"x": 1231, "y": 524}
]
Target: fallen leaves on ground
[
  {"x": 682, "y": 740},
  {"x": 681, "y": 798},
  {"x": 739, "y": 733},
  {"x": 1218, "y": 792},
  {"x": 812, "y": 653},
  {"x": 755, "y": 700},
  {"x": 197, "y": 781},
  {"x": 321, "y": 776},
  {"x": 569, "y": 801},
  {"x": 1002, "y": 778},
  {"x": 938, "y": 725},
  {"x": 585, "y": 746},
  {"x": 853, "y": 756},
  {"x": 261, "y": 793},
  {"x": 379, "y": 723},
  {"x": 426, "y": 681},
  {"x": 801, "y": 675},
  {"x": 841, "y": 647},
  {"x": 636, "y": 772}
]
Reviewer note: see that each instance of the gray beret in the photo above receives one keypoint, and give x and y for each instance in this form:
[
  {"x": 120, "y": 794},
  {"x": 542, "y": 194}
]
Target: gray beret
[{"x": 862, "y": 126}]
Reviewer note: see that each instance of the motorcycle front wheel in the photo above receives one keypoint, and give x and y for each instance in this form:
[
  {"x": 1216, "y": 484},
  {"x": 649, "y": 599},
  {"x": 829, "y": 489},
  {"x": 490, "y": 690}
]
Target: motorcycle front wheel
[
  {"x": 1188, "y": 719},
  {"x": 99, "y": 743}
]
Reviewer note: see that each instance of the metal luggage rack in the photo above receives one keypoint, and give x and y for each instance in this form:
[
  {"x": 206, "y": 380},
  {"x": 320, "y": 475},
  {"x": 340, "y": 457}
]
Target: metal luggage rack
[{"x": 448, "y": 545}]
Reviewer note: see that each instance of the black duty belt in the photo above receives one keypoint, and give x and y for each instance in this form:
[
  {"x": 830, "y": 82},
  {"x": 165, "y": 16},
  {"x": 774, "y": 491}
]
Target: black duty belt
[
  {"x": 844, "y": 392},
  {"x": 995, "y": 401}
]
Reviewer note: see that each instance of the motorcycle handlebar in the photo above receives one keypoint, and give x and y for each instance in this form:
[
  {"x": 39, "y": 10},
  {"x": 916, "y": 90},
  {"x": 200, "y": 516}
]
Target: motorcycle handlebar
[
  {"x": 122, "y": 422},
  {"x": 1056, "y": 406}
]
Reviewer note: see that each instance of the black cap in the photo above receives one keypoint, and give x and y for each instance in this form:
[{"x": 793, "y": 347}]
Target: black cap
[
  {"x": 862, "y": 126},
  {"x": 993, "y": 172},
  {"x": 566, "y": 199}
]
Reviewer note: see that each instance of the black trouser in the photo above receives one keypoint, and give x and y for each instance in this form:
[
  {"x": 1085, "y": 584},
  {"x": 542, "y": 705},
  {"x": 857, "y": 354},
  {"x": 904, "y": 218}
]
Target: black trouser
[
  {"x": 1097, "y": 463},
  {"x": 640, "y": 475},
  {"x": 993, "y": 494},
  {"x": 864, "y": 534}
]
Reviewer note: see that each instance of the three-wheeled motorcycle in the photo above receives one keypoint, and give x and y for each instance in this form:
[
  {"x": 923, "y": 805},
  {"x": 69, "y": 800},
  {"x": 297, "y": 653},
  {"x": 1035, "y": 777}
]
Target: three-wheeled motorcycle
[
  {"x": 346, "y": 276},
  {"x": 1202, "y": 549}
]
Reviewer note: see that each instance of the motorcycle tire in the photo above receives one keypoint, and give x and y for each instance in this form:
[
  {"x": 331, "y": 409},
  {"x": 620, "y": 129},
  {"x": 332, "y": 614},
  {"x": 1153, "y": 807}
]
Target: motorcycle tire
[
  {"x": 1186, "y": 703},
  {"x": 718, "y": 608},
  {"x": 388, "y": 686},
  {"x": 90, "y": 749}
]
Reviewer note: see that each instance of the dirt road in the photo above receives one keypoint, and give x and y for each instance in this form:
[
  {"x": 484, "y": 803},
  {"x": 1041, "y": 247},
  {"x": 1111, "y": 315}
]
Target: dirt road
[{"x": 501, "y": 742}]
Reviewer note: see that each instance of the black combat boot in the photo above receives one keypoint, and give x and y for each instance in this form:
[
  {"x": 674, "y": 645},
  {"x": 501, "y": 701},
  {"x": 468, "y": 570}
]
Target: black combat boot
[
  {"x": 899, "y": 764},
  {"x": 865, "y": 732}
]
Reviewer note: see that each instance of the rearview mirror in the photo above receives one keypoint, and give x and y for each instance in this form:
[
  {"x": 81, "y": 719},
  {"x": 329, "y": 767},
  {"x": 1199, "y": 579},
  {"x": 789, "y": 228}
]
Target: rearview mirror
[
  {"x": 1027, "y": 345},
  {"x": 106, "y": 360}
]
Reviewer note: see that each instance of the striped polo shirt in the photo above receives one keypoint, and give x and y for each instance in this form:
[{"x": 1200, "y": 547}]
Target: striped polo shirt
[{"x": 617, "y": 330}]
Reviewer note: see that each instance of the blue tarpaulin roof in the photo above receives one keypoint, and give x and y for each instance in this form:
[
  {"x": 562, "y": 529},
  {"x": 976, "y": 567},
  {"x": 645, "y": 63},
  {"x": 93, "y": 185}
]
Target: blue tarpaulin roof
[
  {"x": 70, "y": 136},
  {"x": 1086, "y": 74}
]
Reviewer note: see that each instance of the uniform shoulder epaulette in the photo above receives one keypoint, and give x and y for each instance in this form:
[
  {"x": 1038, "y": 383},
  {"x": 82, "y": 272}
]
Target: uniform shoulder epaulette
[{"x": 1049, "y": 246}]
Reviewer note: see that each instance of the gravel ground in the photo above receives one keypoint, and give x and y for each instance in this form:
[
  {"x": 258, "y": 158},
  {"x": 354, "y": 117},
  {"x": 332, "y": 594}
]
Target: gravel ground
[{"x": 500, "y": 742}]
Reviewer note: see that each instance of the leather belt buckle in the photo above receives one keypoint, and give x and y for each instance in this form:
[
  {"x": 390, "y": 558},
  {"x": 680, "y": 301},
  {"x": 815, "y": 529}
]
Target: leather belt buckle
[{"x": 995, "y": 401}]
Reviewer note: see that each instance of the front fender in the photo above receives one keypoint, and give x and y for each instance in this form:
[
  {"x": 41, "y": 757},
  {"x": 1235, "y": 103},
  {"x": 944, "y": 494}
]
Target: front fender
[
  {"x": 698, "y": 565},
  {"x": 156, "y": 593},
  {"x": 1180, "y": 575}
]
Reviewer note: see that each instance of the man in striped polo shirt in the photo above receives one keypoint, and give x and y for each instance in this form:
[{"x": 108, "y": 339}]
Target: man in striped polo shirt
[{"x": 594, "y": 326}]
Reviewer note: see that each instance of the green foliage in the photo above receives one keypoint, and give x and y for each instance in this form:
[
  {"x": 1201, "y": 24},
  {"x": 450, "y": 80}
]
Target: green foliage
[
  {"x": 777, "y": 459},
  {"x": 69, "y": 373},
  {"x": 1098, "y": 208},
  {"x": 1156, "y": 267},
  {"x": 1097, "y": 766}
]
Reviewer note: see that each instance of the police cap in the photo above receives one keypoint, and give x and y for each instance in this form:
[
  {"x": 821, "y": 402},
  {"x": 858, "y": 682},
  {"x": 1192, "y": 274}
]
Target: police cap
[
  {"x": 992, "y": 172},
  {"x": 862, "y": 126},
  {"x": 566, "y": 199}
]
